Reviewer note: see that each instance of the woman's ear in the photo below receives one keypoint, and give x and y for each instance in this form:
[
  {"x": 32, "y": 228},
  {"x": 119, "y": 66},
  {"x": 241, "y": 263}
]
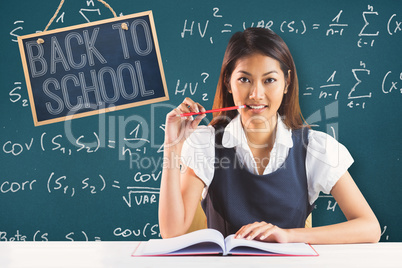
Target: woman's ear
[
  {"x": 287, "y": 82},
  {"x": 228, "y": 87},
  {"x": 227, "y": 84}
]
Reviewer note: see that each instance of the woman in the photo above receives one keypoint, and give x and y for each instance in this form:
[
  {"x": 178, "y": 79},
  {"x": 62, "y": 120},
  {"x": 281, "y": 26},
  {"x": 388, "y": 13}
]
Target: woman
[{"x": 259, "y": 169}]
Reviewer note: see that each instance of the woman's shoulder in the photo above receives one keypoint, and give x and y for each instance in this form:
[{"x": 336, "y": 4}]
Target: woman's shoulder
[
  {"x": 202, "y": 135},
  {"x": 198, "y": 152},
  {"x": 326, "y": 161},
  {"x": 201, "y": 140},
  {"x": 319, "y": 139}
]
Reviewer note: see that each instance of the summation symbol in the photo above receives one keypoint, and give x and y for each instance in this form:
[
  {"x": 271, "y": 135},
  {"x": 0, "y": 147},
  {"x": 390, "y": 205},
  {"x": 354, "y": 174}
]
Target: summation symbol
[
  {"x": 357, "y": 73},
  {"x": 367, "y": 30}
]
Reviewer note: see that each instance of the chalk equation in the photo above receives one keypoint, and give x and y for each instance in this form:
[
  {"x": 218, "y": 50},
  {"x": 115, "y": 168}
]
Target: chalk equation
[
  {"x": 147, "y": 231},
  {"x": 17, "y": 96},
  {"x": 88, "y": 13},
  {"x": 71, "y": 186},
  {"x": 134, "y": 143},
  {"x": 370, "y": 28},
  {"x": 357, "y": 93},
  {"x": 190, "y": 88},
  {"x": 390, "y": 82}
]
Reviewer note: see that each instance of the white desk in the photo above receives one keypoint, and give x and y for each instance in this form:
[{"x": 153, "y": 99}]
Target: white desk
[{"x": 118, "y": 254}]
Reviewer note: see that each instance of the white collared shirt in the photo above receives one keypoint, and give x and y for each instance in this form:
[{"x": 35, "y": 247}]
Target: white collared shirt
[{"x": 326, "y": 160}]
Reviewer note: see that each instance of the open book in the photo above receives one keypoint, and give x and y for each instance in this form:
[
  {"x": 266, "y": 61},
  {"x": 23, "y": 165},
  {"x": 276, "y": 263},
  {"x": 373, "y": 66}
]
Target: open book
[{"x": 211, "y": 242}]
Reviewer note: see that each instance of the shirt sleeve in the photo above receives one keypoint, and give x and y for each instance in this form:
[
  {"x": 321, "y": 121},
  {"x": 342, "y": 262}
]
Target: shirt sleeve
[
  {"x": 198, "y": 153},
  {"x": 326, "y": 161}
]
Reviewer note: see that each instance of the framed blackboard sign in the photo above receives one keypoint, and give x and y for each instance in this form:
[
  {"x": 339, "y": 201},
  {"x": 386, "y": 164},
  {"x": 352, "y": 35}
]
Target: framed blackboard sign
[{"x": 93, "y": 68}]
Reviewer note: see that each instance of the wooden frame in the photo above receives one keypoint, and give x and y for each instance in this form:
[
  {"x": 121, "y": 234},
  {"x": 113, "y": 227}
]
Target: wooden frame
[{"x": 46, "y": 35}]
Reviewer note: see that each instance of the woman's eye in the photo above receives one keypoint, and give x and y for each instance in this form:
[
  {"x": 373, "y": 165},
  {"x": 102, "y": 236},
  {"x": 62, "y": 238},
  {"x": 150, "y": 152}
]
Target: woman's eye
[
  {"x": 270, "y": 80},
  {"x": 244, "y": 80}
]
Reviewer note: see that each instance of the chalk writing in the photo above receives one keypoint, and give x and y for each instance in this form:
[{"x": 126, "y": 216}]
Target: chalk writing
[
  {"x": 61, "y": 18},
  {"x": 368, "y": 34},
  {"x": 358, "y": 94},
  {"x": 142, "y": 195},
  {"x": 14, "y": 32},
  {"x": 394, "y": 26},
  {"x": 15, "y": 237},
  {"x": 148, "y": 230},
  {"x": 62, "y": 184},
  {"x": 330, "y": 89},
  {"x": 15, "y": 95},
  {"x": 390, "y": 83},
  {"x": 14, "y": 186},
  {"x": 135, "y": 143},
  {"x": 336, "y": 27},
  {"x": 91, "y": 185},
  {"x": 15, "y": 148},
  {"x": 331, "y": 206},
  {"x": 191, "y": 87},
  {"x": 384, "y": 229}
]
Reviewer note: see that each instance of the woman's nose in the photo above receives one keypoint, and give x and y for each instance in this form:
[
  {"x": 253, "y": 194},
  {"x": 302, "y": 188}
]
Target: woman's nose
[{"x": 257, "y": 92}]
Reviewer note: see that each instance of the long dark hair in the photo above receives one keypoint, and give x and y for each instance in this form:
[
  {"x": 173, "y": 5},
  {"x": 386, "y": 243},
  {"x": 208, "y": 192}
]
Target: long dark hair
[{"x": 268, "y": 43}]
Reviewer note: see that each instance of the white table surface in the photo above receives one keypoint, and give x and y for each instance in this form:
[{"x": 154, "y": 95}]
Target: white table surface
[{"x": 118, "y": 254}]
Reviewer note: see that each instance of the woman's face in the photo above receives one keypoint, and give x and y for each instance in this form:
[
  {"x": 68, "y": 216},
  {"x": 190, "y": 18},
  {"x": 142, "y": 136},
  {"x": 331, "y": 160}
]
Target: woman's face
[{"x": 259, "y": 83}]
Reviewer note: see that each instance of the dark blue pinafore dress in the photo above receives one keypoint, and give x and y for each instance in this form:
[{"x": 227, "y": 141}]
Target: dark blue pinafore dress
[{"x": 237, "y": 197}]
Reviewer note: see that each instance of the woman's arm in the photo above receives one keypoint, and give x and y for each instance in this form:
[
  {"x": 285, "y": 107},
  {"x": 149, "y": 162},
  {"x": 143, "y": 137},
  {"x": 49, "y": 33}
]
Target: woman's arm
[
  {"x": 180, "y": 191},
  {"x": 178, "y": 200},
  {"x": 361, "y": 226}
]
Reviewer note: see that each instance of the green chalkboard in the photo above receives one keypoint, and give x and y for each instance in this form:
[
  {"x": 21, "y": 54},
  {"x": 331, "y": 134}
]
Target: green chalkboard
[{"x": 98, "y": 177}]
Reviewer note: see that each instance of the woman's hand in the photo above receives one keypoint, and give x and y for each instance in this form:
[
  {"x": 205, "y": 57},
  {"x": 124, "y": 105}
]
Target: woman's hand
[
  {"x": 263, "y": 231},
  {"x": 178, "y": 128}
]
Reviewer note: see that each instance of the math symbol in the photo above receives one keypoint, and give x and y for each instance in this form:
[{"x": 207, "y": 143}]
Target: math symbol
[
  {"x": 59, "y": 184},
  {"x": 15, "y": 96},
  {"x": 336, "y": 27},
  {"x": 357, "y": 99},
  {"x": 14, "y": 32},
  {"x": 394, "y": 28},
  {"x": 390, "y": 83},
  {"x": 367, "y": 32},
  {"x": 329, "y": 89}
]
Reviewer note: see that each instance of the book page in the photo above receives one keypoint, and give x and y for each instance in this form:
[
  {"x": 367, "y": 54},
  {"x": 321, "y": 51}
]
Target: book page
[
  {"x": 171, "y": 245},
  {"x": 253, "y": 247}
]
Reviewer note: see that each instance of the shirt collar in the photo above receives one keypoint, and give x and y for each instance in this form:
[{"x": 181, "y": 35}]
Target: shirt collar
[{"x": 234, "y": 134}]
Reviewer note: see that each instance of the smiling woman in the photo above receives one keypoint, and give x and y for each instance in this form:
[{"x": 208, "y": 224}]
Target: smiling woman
[
  {"x": 262, "y": 169},
  {"x": 268, "y": 44}
]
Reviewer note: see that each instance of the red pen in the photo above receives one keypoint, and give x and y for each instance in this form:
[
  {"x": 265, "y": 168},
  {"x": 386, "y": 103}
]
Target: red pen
[{"x": 213, "y": 110}]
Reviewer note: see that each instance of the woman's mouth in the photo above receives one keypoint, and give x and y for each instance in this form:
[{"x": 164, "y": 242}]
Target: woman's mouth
[{"x": 256, "y": 108}]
